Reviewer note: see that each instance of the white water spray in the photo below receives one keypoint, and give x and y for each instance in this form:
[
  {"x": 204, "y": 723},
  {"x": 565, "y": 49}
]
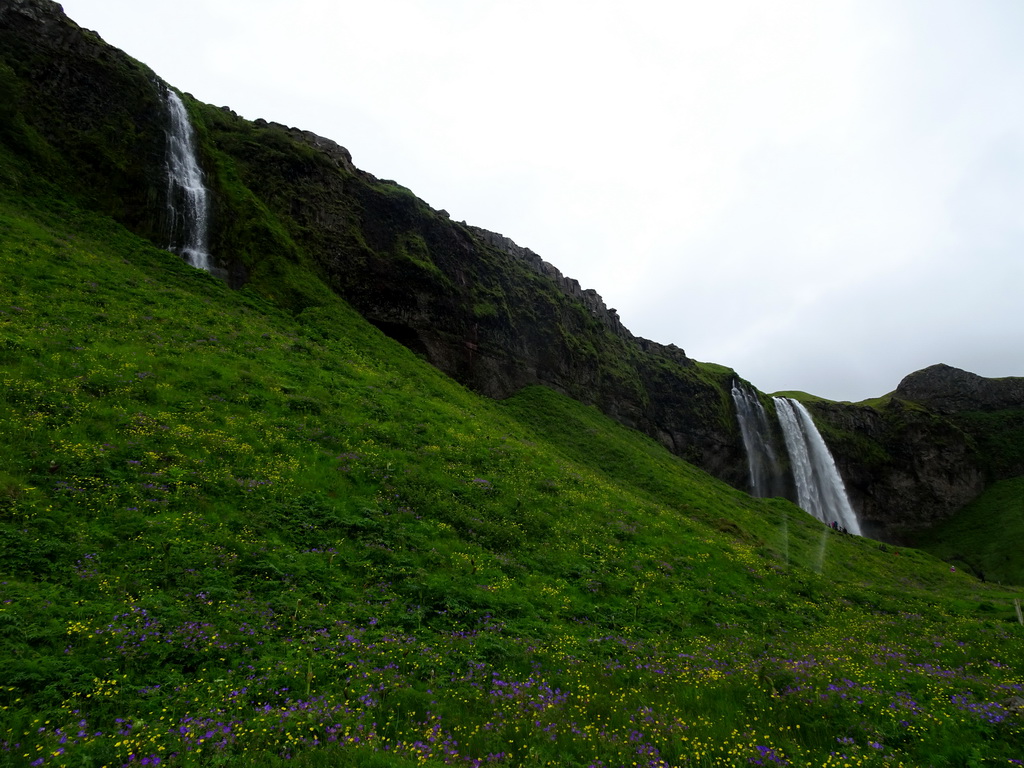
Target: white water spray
[
  {"x": 819, "y": 559},
  {"x": 819, "y": 486},
  {"x": 785, "y": 536},
  {"x": 757, "y": 440},
  {"x": 187, "y": 197}
]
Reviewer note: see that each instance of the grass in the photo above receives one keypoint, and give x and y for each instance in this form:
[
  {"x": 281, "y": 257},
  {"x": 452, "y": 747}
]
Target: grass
[
  {"x": 987, "y": 536},
  {"x": 230, "y": 535}
]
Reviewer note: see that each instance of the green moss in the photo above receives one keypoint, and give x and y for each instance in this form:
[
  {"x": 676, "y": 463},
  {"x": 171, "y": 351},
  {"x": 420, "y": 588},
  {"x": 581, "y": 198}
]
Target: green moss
[
  {"x": 719, "y": 373},
  {"x": 1000, "y": 439},
  {"x": 412, "y": 247},
  {"x": 986, "y": 536}
]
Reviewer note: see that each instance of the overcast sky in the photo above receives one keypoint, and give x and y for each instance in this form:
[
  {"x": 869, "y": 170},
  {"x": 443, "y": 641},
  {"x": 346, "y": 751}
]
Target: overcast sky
[{"x": 825, "y": 196}]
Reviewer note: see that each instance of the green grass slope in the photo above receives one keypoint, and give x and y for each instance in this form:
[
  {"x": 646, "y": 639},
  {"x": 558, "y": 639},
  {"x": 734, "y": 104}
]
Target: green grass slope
[
  {"x": 231, "y": 536},
  {"x": 986, "y": 536}
]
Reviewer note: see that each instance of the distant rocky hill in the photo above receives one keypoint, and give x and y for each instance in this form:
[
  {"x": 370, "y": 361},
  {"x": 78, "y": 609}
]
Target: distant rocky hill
[
  {"x": 293, "y": 217},
  {"x": 945, "y": 389}
]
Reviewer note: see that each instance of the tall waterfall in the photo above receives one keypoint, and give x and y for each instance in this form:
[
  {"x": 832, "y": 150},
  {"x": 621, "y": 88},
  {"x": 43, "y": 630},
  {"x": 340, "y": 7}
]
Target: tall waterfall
[
  {"x": 187, "y": 197},
  {"x": 761, "y": 461},
  {"x": 819, "y": 487}
]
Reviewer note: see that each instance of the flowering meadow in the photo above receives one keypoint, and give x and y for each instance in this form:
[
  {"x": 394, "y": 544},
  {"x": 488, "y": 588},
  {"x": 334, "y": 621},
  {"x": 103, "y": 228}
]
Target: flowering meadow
[{"x": 233, "y": 536}]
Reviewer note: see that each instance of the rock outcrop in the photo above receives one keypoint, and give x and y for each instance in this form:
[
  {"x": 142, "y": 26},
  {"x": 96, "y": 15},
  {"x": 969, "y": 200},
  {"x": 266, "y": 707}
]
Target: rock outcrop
[
  {"x": 294, "y": 218},
  {"x": 567, "y": 285},
  {"x": 100, "y": 109},
  {"x": 905, "y": 468},
  {"x": 945, "y": 389},
  {"x": 915, "y": 457}
]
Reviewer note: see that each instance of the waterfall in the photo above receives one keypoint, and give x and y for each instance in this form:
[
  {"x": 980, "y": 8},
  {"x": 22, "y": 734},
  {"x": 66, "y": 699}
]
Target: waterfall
[
  {"x": 761, "y": 461},
  {"x": 187, "y": 197},
  {"x": 819, "y": 487}
]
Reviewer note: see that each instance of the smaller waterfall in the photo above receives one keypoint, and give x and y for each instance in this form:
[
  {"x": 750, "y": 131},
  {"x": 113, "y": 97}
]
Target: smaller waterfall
[
  {"x": 187, "y": 196},
  {"x": 761, "y": 461},
  {"x": 819, "y": 486}
]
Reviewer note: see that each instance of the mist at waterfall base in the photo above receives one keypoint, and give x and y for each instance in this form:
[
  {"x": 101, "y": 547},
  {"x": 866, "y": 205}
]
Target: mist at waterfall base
[
  {"x": 819, "y": 487},
  {"x": 187, "y": 196}
]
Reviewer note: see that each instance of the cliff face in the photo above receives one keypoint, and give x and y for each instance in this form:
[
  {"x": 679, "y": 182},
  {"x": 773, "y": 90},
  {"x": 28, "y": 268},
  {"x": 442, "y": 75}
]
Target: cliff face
[
  {"x": 102, "y": 112},
  {"x": 492, "y": 314},
  {"x": 929, "y": 448},
  {"x": 904, "y": 467},
  {"x": 949, "y": 390},
  {"x": 293, "y": 218},
  {"x": 292, "y": 215}
]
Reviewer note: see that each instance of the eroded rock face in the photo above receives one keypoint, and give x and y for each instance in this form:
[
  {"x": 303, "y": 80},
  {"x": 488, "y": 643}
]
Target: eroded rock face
[
  {"x": 101, "y": 109},
  {"x": 492, "y": 314},
  {"x": 945, "y": 389},
  {"x": 341, "y": 156},
  {"x": 905, "y": 468},
  {"x": 39, "y": 11},
  {"x": 928, "y": 449},
  {"x": 567, "y": 285}
]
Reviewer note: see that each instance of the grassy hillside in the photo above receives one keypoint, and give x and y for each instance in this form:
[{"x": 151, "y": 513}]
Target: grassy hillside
[
  {"x": 297, "y": 223},
  {"x": 234, "y": 536},
  {"x": 986, "y": 536}
]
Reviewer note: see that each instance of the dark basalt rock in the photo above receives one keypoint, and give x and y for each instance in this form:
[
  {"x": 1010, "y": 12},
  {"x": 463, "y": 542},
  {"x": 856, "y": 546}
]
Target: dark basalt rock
[
  {"x": 99, "y": 108},
  {"x": 945, "y": 389},
  {"x": 905, "y": 468},
  {"x": 923, "y": 452}
]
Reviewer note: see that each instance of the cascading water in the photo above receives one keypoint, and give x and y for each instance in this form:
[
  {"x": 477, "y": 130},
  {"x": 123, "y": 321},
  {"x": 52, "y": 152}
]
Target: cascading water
[
  {"x": 187, "y": 197},
  {"x": 761, "y": 461},
  {"x": 819, "y": 486}
]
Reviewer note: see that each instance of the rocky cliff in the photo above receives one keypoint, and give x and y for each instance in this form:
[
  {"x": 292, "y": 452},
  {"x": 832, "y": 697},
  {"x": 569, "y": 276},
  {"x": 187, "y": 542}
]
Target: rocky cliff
[
  {"x": 914, "y": 457},
  {"x": 90, "y": 118},
  {"x": 949, "y": 390},
  {"x": 904, "y": 467},
  {"x": 488, "y": 312},
  {"x": 293, "y": 217}
]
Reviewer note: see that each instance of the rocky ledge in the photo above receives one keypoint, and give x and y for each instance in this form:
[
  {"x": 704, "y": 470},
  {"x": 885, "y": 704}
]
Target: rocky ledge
[{"x": 945, "y": 389}]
